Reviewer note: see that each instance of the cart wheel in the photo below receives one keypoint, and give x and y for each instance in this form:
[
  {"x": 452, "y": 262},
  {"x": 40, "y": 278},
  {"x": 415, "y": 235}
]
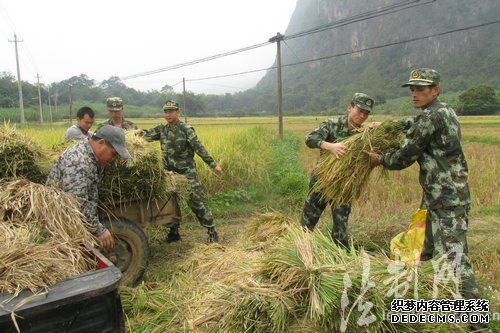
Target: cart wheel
[{"x": 130, "y": 252}]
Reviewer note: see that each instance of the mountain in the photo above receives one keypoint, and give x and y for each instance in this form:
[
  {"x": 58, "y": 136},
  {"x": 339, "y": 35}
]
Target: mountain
[{"x": 322, "y": 69}]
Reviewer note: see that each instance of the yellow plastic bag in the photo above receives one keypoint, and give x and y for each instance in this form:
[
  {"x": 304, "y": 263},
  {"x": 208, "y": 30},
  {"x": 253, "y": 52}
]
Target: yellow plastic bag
[{"x": 409, "y": 244}]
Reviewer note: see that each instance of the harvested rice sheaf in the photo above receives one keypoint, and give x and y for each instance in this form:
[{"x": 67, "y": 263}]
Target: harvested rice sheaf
[
  {"x": 43, "y": 236},
  {"x": 21, "y": 157},
  {"x": 301, "y": 282},
  {"x": 341, "y": 180},
  {"x": 267, "y": 227},
  {"x": 140, "y": 178},
  {"x": 332, "y": 287}
]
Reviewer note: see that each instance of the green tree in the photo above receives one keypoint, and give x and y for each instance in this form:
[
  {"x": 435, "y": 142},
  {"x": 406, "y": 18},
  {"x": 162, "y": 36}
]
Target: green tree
[
  {"x": 8, "y": 90},
  {"x": 480, "y": 100}
]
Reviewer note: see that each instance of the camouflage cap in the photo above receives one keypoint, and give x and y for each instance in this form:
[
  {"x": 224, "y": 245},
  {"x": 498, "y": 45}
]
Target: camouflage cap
[
  {"x": 363, "y": 101},
  {"x": 170, "y": 105},
  {"x": 114, "y": 104},
  {"x": 423, "y": 77}
]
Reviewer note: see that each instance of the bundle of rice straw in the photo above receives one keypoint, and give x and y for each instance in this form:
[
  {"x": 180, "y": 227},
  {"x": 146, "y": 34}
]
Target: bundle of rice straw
[
  {"x": 43, "y": 237},
  {"x": 302, "y": 282},
  {"x": 341, "y": 180},
  {"x": 21, "y": 157},
  {"x": 267, "y": 227},
  {"x": 140, "y": 178},
  {"x": 218, "y": 263},
  {"x": 327, "y": 282},
  {"x": 248, "y": 306}
]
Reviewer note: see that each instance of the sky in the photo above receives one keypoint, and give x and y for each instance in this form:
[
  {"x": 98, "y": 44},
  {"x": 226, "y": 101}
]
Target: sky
[{"x": 104, "y": 38}]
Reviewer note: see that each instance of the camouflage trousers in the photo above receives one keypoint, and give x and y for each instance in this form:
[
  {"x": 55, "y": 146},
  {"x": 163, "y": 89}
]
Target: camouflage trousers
[
  {"x": 314, "y": 207},
  {"x": 446, "y": 233},
  {"x": 196, "y": 202}
]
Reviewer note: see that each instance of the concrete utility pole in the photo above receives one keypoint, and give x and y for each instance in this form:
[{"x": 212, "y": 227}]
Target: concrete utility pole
[
  {"x": 70, "y": 102},
  {"x": 50, "y": 105},
  {"x": 184, "y": 100},
  {"x": 278, "y": 38},
  {"x": 56, "y": 95},
  {"x": 19, "y": 87},
  {"x": 39, "y": 98}
]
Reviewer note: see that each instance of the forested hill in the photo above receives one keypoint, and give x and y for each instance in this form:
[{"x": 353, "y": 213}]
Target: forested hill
[{"x": 464, "y": 58}]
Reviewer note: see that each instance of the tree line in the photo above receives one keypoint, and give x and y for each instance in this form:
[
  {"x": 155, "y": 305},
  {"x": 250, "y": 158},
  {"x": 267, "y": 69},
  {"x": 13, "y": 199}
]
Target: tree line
[{"x": 480, "y": 100}]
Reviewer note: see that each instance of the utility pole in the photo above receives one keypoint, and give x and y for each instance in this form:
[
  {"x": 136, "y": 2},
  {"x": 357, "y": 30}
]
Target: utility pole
[
  {"x": 19, "y": 87},
  {"x": 39, "y": 98},
  {"x": 56, "y": 95},
  {"x": 278, "y": 38},
  {"x": 70, "y": 102},
  {"x": 50, "y": 105},
  {"x": 184, "y": 100}
]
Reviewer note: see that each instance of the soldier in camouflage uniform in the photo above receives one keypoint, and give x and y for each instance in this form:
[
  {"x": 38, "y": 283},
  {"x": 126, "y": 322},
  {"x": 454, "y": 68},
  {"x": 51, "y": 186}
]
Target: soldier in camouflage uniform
[
  {"x": 79, "y": 170},
  {"x": 115, "y": 108},
  {"x": 433, "y": 141},
  {"x": 179, "y": 143},
  {"x": 325, "y": 137}
]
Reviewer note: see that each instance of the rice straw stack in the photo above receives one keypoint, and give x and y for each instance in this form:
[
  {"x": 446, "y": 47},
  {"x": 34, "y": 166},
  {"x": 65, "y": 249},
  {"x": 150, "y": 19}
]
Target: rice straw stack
[
  {"x": 140, "y": 178},
  {"x": 341, "y": 180},
  {"x": 21, "y": 157},
  {"x": 43, "y": 237}
]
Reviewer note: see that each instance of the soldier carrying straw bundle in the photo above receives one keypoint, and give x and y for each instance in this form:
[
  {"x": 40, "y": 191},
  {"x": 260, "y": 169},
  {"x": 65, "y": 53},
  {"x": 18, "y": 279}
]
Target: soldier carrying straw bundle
[
  {"x": 324, "y": 137},
  {"x": 179, "y": 143},
  {"x": 433, "y": 141}
]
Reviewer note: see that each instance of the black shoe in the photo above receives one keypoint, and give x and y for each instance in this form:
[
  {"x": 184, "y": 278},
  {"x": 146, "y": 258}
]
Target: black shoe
[
  {"x": 173, "y": 236},
  {"x": 212, "y": 236}
]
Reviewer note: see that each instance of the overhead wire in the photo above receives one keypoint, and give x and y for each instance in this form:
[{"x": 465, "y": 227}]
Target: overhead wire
[
  {"x": 23, "y": 46},
  {"x": 389, "y": 9},
  {"x": 291, "y": 50},
  {"x": 193, "y": 62},
  {"x": 354, "y": 51}
]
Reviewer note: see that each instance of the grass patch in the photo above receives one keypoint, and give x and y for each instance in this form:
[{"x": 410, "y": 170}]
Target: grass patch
[
  {"x": 487, "y": 210},
  {"x": 286, "y": 172},
  {"x": 487, "y": 140}
]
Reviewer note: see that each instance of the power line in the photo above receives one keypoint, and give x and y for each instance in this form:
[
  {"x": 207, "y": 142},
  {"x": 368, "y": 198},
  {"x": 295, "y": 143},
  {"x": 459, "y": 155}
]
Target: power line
[
  {"x": 30, "y": 57},
  {"x": 193, "y": 62},
  {"x": 352, "y": 19},
  {"x": 233, "y": 74},
  {"x": 29, "y": 60},
  {"x": 390, "y": 9},
  {"x": 9, "y": 21},
  {"x": 397, "y": 43},
  {"x": 291, "y": 50},
  {"x": 352, "y": 52}
]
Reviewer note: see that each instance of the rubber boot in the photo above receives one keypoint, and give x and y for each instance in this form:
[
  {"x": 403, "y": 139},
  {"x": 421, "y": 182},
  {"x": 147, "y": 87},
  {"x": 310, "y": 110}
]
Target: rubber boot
[
  {"x": 213, "y": 237},
  {"x": 173, "y": 236}
]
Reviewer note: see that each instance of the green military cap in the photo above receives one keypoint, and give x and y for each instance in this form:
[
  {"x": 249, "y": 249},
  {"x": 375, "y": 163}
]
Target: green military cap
[
  {"x": 363, "y": 101},
  {"x": 170, "y": 105},
  {"x": 114, "y": 104},
  {"x": 423, "y": 77}
]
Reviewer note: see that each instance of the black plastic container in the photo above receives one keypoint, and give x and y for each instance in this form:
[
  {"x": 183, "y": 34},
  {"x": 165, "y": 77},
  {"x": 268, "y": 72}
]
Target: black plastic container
[{"x": 88, "y": 302}]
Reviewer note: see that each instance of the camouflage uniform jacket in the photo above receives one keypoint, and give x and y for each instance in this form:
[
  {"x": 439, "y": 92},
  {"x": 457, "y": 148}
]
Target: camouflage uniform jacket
[
  {"x": 126, "y": 124},
  {"x": 76, "y": 171},
  {"x": 331, "y": 130},
  {"x": 178, "y": 144},
  {"x": 434, "y": 142}
]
